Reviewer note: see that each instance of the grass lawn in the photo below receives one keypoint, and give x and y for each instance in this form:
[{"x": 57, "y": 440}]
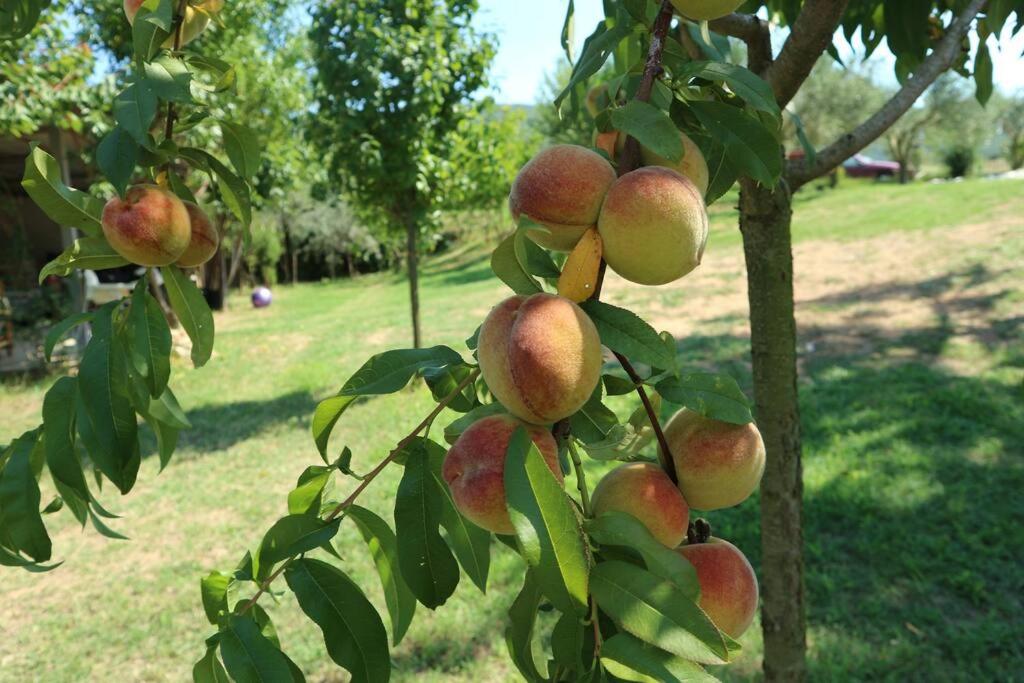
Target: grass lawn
[{"x": 910, "y": 306}]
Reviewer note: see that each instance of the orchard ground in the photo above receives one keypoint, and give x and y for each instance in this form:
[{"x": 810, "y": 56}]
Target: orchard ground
[{"x": 910, "y": 303}]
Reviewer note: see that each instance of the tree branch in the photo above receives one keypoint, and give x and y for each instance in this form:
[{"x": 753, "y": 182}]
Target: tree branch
[
  {"x": 664, "y": 452},
  {"x": 751, "y": 30},
  {"x": 799, "y": 172},
  {"x": 809, "y": 35}
]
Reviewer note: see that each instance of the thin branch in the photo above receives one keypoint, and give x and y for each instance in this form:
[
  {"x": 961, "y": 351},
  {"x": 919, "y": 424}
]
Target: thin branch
[
  {"x": 179, "y": 23},
  {"x": 810, "y": 34},
  {"x": 340, "y": 507},
  {"x": 581, "y": 480},
  {"x": 799, "y": 172},
  {"x": 664, "y": 452},
  {"x": 753, "y": 31}
]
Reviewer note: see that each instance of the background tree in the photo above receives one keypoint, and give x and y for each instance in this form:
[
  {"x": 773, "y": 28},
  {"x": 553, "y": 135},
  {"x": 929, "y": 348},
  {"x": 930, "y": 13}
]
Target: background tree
[
  {"x": 834, "y": 99},
  {"x": 1011, "y": 123},
  {"x": 394, "y": 81}
]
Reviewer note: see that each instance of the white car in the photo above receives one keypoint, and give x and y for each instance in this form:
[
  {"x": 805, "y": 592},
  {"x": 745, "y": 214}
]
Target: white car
[{"x": 114, "y": 284}]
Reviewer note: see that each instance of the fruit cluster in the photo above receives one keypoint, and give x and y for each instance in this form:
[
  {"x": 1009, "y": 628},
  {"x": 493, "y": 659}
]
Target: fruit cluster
[
  {"x": 150, "y": 226},
  {"x": 541, "y": 358}
]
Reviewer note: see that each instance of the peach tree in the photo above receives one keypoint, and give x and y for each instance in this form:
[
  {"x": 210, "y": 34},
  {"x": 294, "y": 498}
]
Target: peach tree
[{"x": 636, "y": 590}]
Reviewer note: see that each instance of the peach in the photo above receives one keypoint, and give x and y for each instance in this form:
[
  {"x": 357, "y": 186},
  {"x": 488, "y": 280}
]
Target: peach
[
  {"x": 706, "y": 10},
  {"x": 728, "y": 585},
  {"x": 203, "y": 244},
  {"x": 692, "y": 165},
  {"x": 643, "y": 490},
  {"x": 597, "y": 99},
  {"x": 150, "y": 226},
  {"x": 718, "y": 464},
  {"x": 195, "y": 22},
  {"x": 561, "y": 188},
  {"x": 654, "y": 226},
  {"x": 474, "y": 469},
  {"x": 540, "y": 356}
]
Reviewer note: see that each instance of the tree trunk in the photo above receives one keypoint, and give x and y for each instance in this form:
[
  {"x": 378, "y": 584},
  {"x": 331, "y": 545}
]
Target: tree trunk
[
  {"x": 412, "y": 259},
  {"x": 765, "y": 217},
  {"x": 904, "y": 174}
]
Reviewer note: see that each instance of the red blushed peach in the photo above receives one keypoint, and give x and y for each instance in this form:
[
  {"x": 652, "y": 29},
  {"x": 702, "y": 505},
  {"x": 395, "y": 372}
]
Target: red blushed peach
[
  {"x": 644, "y": 491},
  {"x": 475, "y": 469},
  {"x": 562, "y": 189},
  {"x": 728, "y": 585},
  {"x": 203, "y": 243},
  {"x": 150, "y": 226},
  {"x": 718, "y": 464},
  {"x": 540, "y": 356}
]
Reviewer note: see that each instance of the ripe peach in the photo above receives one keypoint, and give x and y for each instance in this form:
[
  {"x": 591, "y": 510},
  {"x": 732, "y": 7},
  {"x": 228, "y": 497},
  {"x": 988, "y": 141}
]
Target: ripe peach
[
  {"x": 728, "y": 585},
  {"x": 475, "y": 469},
  {"x": 540, "y": 356},
  {"x": 204, "y": 241},
  {"x": 718, "y": 464},
  {"x": 654, "y": 226},
  {"x": 643, "y": 490},
  {"x": 692, "y": 165},
  {"x": 561, "y": 188},
  {"x": 150, "y": 226},
  {"x": 706, "y": 10}
]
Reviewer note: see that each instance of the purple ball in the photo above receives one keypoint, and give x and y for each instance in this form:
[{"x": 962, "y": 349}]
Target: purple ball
[{"x": 261, "y": 297}]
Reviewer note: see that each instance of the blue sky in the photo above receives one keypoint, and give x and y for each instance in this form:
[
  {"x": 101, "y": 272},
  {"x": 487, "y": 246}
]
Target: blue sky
[{"x": 528, "y": 32}]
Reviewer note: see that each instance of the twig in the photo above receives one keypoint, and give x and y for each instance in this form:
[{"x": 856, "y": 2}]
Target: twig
[
  {"x": 581, "y": 480},
  {"x": 179, "y": 23},
  {"x": 664, "y": 452},
  {"x": 340, "y": 507}
]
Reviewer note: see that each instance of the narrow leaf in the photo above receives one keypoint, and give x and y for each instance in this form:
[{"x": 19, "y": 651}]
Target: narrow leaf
[
  {"x": 64, "y": 205},
  {"x": 379, "y": 537},
  {"x": 626, "y": 332},
  {"x": 629, "y": 659},
  {"x": 716, "y": 396},
  {"x": 249, "y": 656},
  {"x": 193, "y": 311},
  {"x": 20, "y": 518}
]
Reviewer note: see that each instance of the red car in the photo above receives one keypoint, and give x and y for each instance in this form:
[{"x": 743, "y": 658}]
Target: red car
[{"x": 860, "y": 166}]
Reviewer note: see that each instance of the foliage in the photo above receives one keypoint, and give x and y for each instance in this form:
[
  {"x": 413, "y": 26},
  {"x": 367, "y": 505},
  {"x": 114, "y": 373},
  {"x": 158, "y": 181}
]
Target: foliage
[
  {"x": 958, "y": 160},
  {"x": 1011, "y": 123},
  {"x": 834, "y": 99},
  {"x": 327, "y": 231}
]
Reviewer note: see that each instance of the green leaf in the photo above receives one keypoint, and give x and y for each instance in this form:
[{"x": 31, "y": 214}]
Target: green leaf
[
  {"x": 471, "y": 544},
  {"x": 9, "y": 559},
  {"x": 251, "y": 657},
  {"x": 624, "y": 531},
  {"x": 427, "y": 565},
  {"x": 456, "y": 427},
  {"x": 716, "y": 396},
  {"x": 167, "y": 409},
  {"x": 20, "y": 519},
  {"x": 242, "y": 147},
  {"x": 538, "y": 260},
  {"x": 568, "y": 31},
  {"x": 169, "y": 78},
  {"x": 214, "y": 589},
  {"x": 596, "y": 50},
  {"x": 103, "y": 529},
  {"x": 384, "y": 373},
  {"x": 116, "y": 156},
  {"x": 747, "y": 85},
  {"x": 546, "y": 525},
  {"x": 209, "y": 669},
  {"x": 64, "y": 205},
  {"x": 193, "y": 312},
  {"x": 307, "y": 495},
  {"x": 401, "y": 602},
  {"x": 59, "y": 442},
  {"x": 166, "y": 437},
  {"x": 629, "y": 659},
  {"x": 105, "y": 415},
  {"x": 151, "y": 28},
  {"x": 92, "y": 253},
  {"x": 443, "y": 381},
  {"x": 233, "y": 189},
  {"x": 353, "y": 631},
  {"x": 60, "y": 329},
  {"x": 655, "y": 611},
  {"x": 810, "y": 153},
  {"x": 568, "y": 642},
  {"x": 522, "y": 616},
  {"x": 627, "y": 333},
  {"x": 506, "y": 265},
  {"x": 150, "y": 339},
  {"x": 651, "y": 127},
  {"x": 134, "y": 110},
  {"x": 748, "y": 144},
  {"x": 594, "y": 422},
  {"x": 292, "y": 535}
]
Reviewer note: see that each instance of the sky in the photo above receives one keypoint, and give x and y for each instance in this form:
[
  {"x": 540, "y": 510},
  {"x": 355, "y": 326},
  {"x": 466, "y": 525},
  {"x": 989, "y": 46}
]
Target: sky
[{"x": 529, "y": 31}]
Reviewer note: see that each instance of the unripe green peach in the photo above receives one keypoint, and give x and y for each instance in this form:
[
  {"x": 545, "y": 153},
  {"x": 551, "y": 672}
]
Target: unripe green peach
[
  {"x": 654, "y": 225},
  {"x": 203, "y": 244},
  {"x": 692, "y": 165},
  {"x": 475, "y": 469},
  {"x": 561, "y": 188},
  {"x": 718, "y": 464},
  {"x": 150, "y": 226},
  {"x": 643, "y": 490},
  {"x": 728, "y": 585},
  {"x": 540, "y": 356},
  {"x": 706, "y": 10}
]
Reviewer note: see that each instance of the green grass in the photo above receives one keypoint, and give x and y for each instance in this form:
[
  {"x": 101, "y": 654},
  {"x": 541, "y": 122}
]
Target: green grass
[{"x": 912, "y": 443}]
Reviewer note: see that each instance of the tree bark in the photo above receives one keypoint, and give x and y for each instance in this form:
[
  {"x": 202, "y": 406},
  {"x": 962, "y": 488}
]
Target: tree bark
[
  {"x": 765, "y": 217},
  {"x": 412, "y": 260}
]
